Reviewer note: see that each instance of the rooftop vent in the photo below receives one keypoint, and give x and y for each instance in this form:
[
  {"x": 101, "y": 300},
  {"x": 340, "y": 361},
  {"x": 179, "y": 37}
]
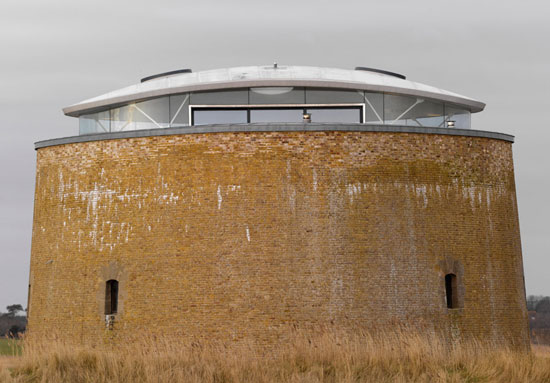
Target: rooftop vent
[
  {"x": 166, "y": 74},
  {"x": 381, "y": 71}
]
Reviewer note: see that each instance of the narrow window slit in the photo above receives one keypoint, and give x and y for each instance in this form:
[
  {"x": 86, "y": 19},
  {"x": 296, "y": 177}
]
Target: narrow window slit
[
  {"x": 451, "y": 291},
  {"x": 111, "y": 297}
]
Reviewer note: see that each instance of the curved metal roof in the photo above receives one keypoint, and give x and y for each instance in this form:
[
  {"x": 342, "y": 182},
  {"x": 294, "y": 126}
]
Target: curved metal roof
[{"x": 255, "y": 76}]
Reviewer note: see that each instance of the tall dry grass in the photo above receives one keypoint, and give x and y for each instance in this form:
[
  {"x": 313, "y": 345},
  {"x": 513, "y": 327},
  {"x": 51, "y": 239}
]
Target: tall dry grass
[{"x": 399, "y": 356}]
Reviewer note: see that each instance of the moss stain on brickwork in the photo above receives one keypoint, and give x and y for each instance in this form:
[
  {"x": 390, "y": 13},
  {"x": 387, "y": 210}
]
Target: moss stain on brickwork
[{"x": 231, "y": 235}]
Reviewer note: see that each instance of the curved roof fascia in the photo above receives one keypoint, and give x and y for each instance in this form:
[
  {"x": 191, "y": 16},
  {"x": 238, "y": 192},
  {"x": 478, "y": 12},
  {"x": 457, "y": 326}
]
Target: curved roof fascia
[{"x": 259, "y": 76}]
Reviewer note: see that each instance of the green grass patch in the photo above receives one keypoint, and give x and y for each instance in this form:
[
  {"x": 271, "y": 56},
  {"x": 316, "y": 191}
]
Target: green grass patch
[{"x": 10, "y": 346}]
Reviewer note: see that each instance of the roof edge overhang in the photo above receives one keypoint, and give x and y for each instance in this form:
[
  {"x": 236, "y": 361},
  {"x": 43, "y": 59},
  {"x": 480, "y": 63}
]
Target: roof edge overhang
[{"x": 93, "y": 106}]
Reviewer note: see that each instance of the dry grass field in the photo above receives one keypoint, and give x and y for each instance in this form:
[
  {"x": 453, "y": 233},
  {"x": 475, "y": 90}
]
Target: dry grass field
[{"x": 327, "y": 357}]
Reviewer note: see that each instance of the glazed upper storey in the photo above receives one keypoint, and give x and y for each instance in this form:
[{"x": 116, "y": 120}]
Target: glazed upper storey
[{"x": 272, "y": 94}]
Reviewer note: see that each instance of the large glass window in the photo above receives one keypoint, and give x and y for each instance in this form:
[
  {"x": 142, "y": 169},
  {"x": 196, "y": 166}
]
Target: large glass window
[
  {"x": 428, "y": 113},
  {"x": 276, "y": 115},
  {"x": 94, "y": 123},
  {"x": 457, "y": 118},
  {"x": 224, "y": 116},
  {"x": 122, "y": 119},
  {"x": 412, "y": 111},
  {"x": 339, "y": 115},
  {"x": 397, "y": 108},
  {"x": 150, "y": 114},
  {"x": 374, "y": 108},
  {"x": 179, "y": 110}
]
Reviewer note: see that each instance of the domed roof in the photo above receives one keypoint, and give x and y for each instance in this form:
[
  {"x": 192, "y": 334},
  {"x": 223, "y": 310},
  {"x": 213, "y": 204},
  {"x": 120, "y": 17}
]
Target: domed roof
[{"x": 260, "y": 76}]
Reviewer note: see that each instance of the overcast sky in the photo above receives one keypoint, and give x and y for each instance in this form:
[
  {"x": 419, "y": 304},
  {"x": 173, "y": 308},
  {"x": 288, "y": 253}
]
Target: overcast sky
[{"x": 55, "y": 53}]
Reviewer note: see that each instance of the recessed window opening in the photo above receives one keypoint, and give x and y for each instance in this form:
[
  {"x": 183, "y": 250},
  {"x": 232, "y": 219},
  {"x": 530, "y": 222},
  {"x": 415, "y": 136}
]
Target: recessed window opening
[
  {"x": 111, "y": 297},
  {"x": 29, "y": 302},
  {"x": 451, "y": 291},
  {"x": 238, "y": 114}
]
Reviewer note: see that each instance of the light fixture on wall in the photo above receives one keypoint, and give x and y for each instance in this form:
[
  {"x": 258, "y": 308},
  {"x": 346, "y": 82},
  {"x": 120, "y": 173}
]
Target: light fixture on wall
[
  {"x": 450, "y": 124},
  {"x": 306, "y": 117},
  {"x": 272, "y": 90}
]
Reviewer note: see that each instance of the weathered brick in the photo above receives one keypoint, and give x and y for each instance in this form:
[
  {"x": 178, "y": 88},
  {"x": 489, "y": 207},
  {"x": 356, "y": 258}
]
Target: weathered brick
[{"x": 237, "y": 235}]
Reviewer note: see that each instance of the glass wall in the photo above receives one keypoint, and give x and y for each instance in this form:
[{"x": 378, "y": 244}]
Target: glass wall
[
  {"x": 336, "y": 115},
  {"x": 223, "y": 116},
  {"x": 457, "y": 118},
  {"x": 149, "y": 114},
  {"x": 206, "y": 116},
  {"x": 276, "y": 115},
  {"x": 179, "y": 110},
  {"x": 374, "y": 108},
  {"x": 412, "y": 111},
  {"x": 94, "y": 123},
  {"x": 229, "y": 107}
]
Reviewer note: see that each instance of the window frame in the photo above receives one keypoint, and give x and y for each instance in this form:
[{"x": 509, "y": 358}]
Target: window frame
[{"x": 304, "y": 107}]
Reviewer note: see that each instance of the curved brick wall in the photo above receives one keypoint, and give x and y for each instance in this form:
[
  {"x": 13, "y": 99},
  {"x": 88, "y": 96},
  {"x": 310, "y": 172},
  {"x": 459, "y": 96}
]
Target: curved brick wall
[{"x": 231, "y": 235}]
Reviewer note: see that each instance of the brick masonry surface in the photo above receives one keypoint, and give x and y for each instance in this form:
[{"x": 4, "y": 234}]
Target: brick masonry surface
[{"x": 229, "y": 236}]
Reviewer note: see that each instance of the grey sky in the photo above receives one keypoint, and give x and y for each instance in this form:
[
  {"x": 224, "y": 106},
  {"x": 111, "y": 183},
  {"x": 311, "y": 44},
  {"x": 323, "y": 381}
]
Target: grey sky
[{"x": 56, "y": 53}]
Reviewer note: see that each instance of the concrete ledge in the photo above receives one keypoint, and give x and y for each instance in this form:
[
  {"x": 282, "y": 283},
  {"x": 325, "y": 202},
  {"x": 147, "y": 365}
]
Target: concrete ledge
[{"x": 277, "y": 127}]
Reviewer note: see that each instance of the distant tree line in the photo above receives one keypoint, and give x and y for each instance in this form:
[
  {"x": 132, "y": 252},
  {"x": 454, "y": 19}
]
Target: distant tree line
[
  {"x": 538, "y": 303},
  {"x": 539, "y": 318},
  {"x": 14, "y": 322}
]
